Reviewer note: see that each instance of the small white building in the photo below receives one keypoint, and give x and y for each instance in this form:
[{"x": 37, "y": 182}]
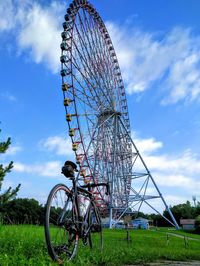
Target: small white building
[
  {"x": 187, "y": 224},
  {"x": 140, "y": 223}
]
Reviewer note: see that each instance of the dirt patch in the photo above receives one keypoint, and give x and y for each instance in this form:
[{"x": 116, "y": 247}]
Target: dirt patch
[
  {"x": 170, "y": 263},
  {"x": 176, "y": 263}
]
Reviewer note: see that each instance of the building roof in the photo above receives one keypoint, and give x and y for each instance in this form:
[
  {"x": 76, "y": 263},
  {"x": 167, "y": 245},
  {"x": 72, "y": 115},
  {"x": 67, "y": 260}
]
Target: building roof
[{"x": 187, "y": 221}]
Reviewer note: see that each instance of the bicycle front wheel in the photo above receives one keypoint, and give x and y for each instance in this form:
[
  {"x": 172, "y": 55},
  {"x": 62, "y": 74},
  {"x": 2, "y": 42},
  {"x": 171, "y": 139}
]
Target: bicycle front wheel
[
  {"x": 95, "y": 233},
  {"x": 60, "y": 230}
]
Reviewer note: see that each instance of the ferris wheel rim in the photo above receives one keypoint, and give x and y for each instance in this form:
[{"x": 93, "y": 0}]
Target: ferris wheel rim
[{"x": 71, "y": 14}]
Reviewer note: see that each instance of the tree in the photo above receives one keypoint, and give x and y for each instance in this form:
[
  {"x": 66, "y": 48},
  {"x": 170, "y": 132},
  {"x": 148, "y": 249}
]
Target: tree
[
  {"x": 158, "y": 220},
  {"x": 197, "y": 209},
  {"x": 23, "y": 211},
  {"x": 9, "y": 193},
  {"x": 181, "y": 211}
]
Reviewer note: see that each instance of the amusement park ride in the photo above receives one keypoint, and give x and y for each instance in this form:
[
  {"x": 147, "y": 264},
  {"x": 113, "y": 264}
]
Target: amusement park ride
[{"x": 98, "y": 119}]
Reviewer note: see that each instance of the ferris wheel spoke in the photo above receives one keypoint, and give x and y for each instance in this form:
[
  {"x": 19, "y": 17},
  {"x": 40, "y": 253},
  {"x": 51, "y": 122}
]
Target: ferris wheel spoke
[
  {"x": 94, "y": 53},
  {"x": 81, "y": 97},
  {"x": 82, "y": 57},
  {"x": 87, "y": 38},
  {"x": 103, "y": 52},
  {"x": 97, "y": 138},
  {"x": 83, "y": 44},
  {"x": 90, "y": 143},
  {"x": 105, "y": 79},
  {"x": 111, "y": 82},
  {"x": 88, "y": 71},
  {"x": 90, "y": 86},
  {"x": 100, "y": 51},
  {"x": 86, "y": 98}
]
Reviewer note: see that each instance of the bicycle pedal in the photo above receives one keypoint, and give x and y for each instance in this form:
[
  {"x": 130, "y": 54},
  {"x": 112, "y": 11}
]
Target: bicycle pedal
[{"x": 85, "y": 241}]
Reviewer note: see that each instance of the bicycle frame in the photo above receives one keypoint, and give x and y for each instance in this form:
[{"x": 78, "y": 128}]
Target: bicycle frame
[{"x": 76, "y": 191}]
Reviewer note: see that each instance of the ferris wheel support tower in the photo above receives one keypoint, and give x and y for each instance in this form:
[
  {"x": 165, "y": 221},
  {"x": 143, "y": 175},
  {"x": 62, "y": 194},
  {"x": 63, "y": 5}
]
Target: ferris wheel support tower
[{"x": 135, "y": 198}]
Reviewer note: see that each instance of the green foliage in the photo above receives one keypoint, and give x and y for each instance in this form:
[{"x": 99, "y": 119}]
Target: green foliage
[
  {"x": 140, "y": 214},
  {"x": 197, "y": 209},
  {"x": 158, "y": 220},
  {"x": 182, "y": 211},
  {"x": 23, "y": 211},
  {"x": 5, "y": 145},
  {"x": 9, "y": 193}
]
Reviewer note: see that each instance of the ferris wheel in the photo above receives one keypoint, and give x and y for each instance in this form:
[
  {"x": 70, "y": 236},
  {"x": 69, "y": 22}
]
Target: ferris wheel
[
  {"x": 97, "y": 112},
  {"x": 94, "y": 96}
]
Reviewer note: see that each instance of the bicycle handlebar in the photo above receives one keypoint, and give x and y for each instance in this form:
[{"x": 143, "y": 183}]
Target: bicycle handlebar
[{"x": 98, "y": 185}]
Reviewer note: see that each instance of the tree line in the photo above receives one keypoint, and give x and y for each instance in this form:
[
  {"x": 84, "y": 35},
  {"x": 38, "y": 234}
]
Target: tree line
[
  {"x": 22, "y": 211},
  {"x": 30, "y": 211},
  {"x": 180, "y": 211}
]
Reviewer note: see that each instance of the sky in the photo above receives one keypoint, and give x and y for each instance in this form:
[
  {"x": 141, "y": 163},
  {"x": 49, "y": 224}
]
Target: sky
[{"x": 157, "y": 44}]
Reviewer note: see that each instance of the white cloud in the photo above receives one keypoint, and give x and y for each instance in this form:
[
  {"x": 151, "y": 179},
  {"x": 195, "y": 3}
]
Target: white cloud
[
  {"x": 8, "y": 96},
  {"x": 172, "y": 171},
  {"x": 36, "y": 28},
  {"x": 12, "y": 150},
  {"x": 177, "y": 180},
  {"x": 58, "y": 145},
  {"x": 184, "y": 80},
  {"x": 171, "y": 59},
  {"x": 146, "y": 146},
  {"x": 174, "y": 199},
  {"x": 6, "y": 15},
  {"x": 183, "y": 163},
  {"x": 41, "y": 34},
  {"x": 49, "y": 169}
]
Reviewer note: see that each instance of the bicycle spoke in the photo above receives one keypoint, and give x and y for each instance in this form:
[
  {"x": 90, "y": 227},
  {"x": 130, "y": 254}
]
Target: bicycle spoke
[{"x": 61, "y": 236}]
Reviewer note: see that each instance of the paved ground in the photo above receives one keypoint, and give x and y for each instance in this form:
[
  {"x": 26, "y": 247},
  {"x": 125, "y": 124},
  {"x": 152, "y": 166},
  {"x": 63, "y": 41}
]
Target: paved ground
[
  {"x": 176, "y": 263},
  {"x": 170, "y": 263}
]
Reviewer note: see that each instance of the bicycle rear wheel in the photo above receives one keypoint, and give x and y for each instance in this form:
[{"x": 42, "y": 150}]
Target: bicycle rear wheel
[
  {"x": 95, "y": 234},
  {"x": 60, "y": 230}
]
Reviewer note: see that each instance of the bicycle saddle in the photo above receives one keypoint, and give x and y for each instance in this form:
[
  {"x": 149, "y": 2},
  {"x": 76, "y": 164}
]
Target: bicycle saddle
[{"x": 69, "y": 168}]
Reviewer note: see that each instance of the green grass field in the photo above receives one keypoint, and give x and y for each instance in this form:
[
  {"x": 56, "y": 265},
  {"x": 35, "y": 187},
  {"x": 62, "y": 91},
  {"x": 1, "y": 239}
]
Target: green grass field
[{"x": 24, "y": 245}]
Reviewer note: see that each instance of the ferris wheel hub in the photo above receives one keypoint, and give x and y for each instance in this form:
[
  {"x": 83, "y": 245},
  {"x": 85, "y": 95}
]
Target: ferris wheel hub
[{"x": 107, "y": 113}]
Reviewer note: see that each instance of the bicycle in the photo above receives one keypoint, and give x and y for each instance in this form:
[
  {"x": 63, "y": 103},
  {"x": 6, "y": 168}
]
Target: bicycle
[{"x": 64, "y": 219}]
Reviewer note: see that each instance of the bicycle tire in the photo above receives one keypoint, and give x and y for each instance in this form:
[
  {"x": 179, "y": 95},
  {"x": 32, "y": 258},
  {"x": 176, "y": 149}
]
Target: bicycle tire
[
  {"x": 95, "y": 235},
  {"x": 60, "y": 230}
]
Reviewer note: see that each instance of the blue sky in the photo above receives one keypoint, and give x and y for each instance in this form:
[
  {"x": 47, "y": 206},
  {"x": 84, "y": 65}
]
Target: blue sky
[{"x": 157, "y": 44}]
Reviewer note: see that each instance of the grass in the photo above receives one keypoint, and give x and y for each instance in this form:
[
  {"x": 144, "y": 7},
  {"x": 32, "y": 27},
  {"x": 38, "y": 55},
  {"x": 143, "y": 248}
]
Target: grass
[{"x": 24, "y": 245}]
